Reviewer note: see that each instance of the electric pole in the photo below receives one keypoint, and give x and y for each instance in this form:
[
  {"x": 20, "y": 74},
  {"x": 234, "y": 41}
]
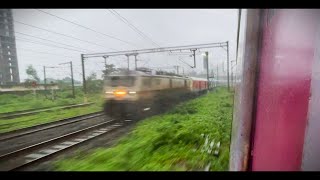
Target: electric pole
[
  {"x": 223, "y": 70},
  {"x": 44, "y": 74},
  {"x": 194, "y": 57},
  {"x": 128, "y": 61},
  {"x": 72, "y": 80},
  {"x": 177, "y": 69},
  {"x": 44, "y": 78},
  {"x": 105, "y": 60},
  {"x": 207, "y": 60},
  {"x": 217, "y": 74},
  {"x": 228, "y": 64},
  {"x": 45, "y": 81},
  {"x": 135, "y": 61},
  {"x": 83, "y": 75}
]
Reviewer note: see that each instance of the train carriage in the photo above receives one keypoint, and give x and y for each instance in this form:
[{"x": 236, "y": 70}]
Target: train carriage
[
  {"x": 199, "y": 84},
  {"x": 133, "y": 92}
]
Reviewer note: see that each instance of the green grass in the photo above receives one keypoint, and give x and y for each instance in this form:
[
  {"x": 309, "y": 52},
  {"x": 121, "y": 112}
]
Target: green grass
[
  {"x": 167, "y": 142},
  {"x": 45, "y": 117},
  {"x": 11, "y": 103}
]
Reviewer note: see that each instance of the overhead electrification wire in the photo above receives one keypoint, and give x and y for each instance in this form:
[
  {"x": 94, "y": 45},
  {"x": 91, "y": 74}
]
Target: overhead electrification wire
[
  {"x": 185, "y": 63},
  {"x": 51, "y": 41},
  {"x": 77, "y": 24},
  {"x": 45, "y": 44},
  {"x": 61, "y": 34},
  {"x": 126, "y": 21},
  {"x": 44, "y": 52}
]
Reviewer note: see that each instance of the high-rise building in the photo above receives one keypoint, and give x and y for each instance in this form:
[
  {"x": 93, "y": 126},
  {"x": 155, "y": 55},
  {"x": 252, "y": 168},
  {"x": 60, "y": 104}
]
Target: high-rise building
[{"x": 9, "y": 71}]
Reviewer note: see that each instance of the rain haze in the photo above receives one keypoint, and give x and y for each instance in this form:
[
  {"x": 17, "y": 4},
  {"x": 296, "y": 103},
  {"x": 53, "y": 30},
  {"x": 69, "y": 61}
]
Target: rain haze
[{"x": 163, "y": 27}]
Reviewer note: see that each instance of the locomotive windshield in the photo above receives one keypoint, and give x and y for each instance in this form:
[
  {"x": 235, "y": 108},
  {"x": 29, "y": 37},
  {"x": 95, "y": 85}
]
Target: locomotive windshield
[{"x": 114, "y": 81}]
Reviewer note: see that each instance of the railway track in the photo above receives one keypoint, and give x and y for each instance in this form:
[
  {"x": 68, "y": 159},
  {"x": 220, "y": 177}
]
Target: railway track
[
  {"x": 46, "y": 126},
  {"x": 28, "y": 156},
  {"x": 11, "y": 115},
  {"x": 35, "y": 153},
  {"x": 33, "y": 109}
]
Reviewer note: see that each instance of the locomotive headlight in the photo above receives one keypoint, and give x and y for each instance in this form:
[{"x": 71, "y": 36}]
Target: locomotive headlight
[
  {"x": 120, "y": 93},
  {"x": 132, "y": 92},
  {"x": 109, "y": 92}
]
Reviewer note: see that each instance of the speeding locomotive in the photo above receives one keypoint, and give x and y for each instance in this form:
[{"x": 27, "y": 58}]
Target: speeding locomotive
[{"x": 132, "y": 93}]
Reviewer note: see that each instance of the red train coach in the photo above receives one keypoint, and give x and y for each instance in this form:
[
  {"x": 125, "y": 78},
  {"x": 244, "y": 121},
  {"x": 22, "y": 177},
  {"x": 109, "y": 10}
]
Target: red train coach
[
  {"x": 276, "y": 119},
  {"x": 199, "y": 84}
]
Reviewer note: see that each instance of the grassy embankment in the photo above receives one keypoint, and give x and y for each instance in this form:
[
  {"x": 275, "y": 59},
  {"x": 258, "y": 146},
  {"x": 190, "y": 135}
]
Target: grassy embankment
[
  {"x": 10, "y": 103},
  {"x": 173, "y": 141}
]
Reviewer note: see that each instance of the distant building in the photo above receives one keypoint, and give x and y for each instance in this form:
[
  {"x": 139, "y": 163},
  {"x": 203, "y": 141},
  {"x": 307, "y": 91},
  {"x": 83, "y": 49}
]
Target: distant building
[{"x": 9, "y": 71}]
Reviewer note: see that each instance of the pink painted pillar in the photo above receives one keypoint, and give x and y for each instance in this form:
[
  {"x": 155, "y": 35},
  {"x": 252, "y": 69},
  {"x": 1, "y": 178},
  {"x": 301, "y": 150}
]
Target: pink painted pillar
[{"x": 285, "y": 71}]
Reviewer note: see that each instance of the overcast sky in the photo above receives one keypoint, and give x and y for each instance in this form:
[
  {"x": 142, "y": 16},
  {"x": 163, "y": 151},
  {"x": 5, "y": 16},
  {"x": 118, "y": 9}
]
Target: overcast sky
[{"x": 166, "y": 27}]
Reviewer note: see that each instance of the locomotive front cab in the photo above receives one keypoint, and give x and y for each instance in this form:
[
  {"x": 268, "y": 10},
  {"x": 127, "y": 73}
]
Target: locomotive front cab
[
  {"x": 120, "y": 95},
  {"x": 120, "y": 88}
]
